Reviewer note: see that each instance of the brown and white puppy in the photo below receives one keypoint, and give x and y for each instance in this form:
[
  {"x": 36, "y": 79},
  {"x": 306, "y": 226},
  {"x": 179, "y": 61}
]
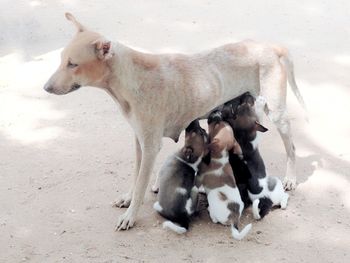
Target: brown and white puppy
[
  {"x": 225, "y": 203},
  {"x": 264, "y": 191},
  {"x": 177, "y": 196},
  {"x": 160, "y": 94}
]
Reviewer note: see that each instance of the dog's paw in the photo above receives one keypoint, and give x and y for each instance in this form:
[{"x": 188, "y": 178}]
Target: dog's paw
[
  {"x": 126, "y": 221},
  {"x": 289, "y": 183},
  {"x": 123, "y": 201}
]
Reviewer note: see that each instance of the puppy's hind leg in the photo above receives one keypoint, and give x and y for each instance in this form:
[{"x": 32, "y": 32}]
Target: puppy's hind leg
[
  {"x": 265, "y": 205},
  {"x": 194, "y": 198},
  {"x": 255, "y": 209}
]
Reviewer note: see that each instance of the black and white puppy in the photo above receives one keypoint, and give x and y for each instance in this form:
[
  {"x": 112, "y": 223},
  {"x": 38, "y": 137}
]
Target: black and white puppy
[
  {"x": 263, "y": 190},
  {"x": 178, "y": 195}
]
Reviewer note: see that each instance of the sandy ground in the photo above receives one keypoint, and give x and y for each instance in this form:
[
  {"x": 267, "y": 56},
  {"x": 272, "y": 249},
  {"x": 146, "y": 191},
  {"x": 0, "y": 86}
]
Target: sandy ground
[{"x": 64, "y": 159}]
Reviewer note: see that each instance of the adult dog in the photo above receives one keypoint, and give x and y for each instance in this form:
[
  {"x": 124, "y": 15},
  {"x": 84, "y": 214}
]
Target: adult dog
[{"x": 160, "y": 95}]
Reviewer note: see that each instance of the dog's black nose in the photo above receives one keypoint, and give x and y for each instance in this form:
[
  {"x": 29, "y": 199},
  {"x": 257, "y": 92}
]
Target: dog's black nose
[{"x": 48, "y": 88}]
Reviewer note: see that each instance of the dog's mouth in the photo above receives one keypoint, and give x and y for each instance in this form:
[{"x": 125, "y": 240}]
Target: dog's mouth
[{"x": 74, "y": 87}]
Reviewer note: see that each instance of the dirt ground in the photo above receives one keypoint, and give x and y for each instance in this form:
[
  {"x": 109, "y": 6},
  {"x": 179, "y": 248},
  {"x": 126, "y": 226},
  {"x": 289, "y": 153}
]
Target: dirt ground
[{"x": 64, "y": 159}]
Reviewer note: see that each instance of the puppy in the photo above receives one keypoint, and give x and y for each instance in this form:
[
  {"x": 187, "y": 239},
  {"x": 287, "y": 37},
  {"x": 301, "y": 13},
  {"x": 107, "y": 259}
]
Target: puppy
[
  {"x": 177, "y": 196},
  {"x": 263, "y": 190},
  {"x": 216, "y": 176}
]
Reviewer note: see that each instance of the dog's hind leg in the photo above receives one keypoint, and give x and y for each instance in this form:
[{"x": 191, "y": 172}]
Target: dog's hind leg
[
  {"x": 150, "y": 146},
  {"x": 283, "y": 126},
  {"x": 273, "y": 85},
  {"x": 124, "y": 200}
]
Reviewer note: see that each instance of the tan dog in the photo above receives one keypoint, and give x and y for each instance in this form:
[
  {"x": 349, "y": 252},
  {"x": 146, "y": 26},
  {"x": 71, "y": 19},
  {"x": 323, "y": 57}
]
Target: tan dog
[{"x": 160, "y": 95}]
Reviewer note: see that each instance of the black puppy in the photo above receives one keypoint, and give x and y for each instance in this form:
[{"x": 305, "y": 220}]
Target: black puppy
[{"x": 263, "y": 190}]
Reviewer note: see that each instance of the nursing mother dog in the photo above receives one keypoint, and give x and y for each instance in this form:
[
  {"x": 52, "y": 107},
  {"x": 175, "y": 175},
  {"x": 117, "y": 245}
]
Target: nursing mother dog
[{"x": 159, "y": 95}]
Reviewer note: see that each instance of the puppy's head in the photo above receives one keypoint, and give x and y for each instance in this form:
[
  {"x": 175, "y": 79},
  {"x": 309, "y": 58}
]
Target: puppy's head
[
  {"x": 83, "y": 61},
  {"x": 196, "y": 142},
  {"x": 245, "y": 120},
  {"x": 221, "y": 136}
]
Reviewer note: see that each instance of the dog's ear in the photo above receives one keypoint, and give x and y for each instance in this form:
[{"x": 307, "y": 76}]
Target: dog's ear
[
  {"x": 259, "y": 127},
  {"x": 103, "y": 48},
  {"x": 71, "y": 18}
]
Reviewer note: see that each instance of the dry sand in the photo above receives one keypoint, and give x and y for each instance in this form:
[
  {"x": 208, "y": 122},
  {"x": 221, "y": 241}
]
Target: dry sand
[{"x": 64, "y": 159}]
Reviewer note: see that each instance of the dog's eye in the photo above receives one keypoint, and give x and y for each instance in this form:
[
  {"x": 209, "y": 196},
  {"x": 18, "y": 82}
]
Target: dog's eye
[{"x": 71, "y": 65}]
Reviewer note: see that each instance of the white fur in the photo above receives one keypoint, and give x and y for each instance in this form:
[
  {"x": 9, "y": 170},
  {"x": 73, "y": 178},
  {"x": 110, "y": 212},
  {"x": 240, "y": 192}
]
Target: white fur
[
  {"x": 189, "y": 206},
  {"x": 219, "y": 212},
  {"x": 157, "y": 207},
  {"x": 181, "y": 190},
  {"x": 255, "y": 209},
  {"x": 217, "y": 208},
  {"x": 172, "y": 226},
  {"x": 240, "y": 235},
  {"x": 277, "y": 196},
  {"x": 255, "y": 142},
  {"x": 223, "y": 160}
]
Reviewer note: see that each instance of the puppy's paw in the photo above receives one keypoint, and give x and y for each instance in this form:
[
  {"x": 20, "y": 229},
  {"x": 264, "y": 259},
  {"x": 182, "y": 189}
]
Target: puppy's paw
[
  {"x": 289, "y": 183},
  {"x": 284, "y": 201},
  {"x": 256, "y": 210},
  {"x": 126, "y": 220},
  {"x": 123, "y": 201}
]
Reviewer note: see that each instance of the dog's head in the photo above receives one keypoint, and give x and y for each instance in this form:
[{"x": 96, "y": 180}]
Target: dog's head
[
  {"x": 221, "y": 136},
  {"x": 245, "y": 120},
  {"x": 83, "y": 61},
  {"x": 196, "y": 142}
]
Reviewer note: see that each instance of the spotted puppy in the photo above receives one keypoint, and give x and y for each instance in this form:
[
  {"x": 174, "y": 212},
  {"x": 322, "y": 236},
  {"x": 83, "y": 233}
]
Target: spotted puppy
[
  {"x": 177, "y": 196},
  {"x": 263, "y": 190},
  {"x": 225, "y": 203}
]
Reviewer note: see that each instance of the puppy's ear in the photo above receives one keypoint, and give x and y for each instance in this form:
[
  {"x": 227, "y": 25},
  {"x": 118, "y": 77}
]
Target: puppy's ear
[
  {"x": 71, "y": 18},
  {"x": 188, "y": 154},
  {"x": 247, "y": 98},
  {"x": 194, "y": 125},
  {"x": 259, "y": 127},
  {"x": 103, "y": 48}
]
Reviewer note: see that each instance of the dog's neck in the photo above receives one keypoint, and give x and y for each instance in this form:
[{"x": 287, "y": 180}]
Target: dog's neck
[{"x": 194, "y": 165}]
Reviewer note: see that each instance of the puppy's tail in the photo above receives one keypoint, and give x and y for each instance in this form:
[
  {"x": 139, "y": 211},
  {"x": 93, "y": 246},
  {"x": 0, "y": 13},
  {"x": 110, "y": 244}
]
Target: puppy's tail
[
  {"x": 240, "y": 235},
  {"x": 174, "y": 227},
  {"x": 287, "y": 60}
]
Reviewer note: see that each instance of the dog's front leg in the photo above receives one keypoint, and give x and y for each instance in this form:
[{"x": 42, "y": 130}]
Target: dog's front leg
[
  {"x": 150, "y": 149},
  {"x": 125, "y": 199}
]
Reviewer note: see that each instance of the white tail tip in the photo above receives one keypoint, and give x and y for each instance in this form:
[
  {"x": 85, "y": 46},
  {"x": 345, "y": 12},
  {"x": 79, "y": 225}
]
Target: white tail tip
[
  {"x": 177, "y": 229},
  {"x": 157, "y": 207},
  {"x": 240, "y": 235}
]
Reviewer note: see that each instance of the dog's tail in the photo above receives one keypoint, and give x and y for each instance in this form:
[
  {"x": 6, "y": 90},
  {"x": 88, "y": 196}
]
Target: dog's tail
[
  {"x": 178, "y": 224},
  {"x": 174, "y": 227},
  {"x": 240, "y": 235},
  {"x": 283, "y": 53}
]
